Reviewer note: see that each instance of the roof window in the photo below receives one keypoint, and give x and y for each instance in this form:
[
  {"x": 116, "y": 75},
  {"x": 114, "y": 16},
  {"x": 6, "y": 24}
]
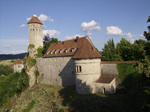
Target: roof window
[
  {"x": 51, "y": 52},
  {"x": 56, "y": 51},
  {"x": 61, "y": 51},
  {"x": 67, "y": 50},
  {"x": 73, "y": 49},
  {"x": 47, "y": 52}
]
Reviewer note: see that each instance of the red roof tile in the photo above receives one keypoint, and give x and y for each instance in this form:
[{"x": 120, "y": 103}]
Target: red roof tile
[
  {"x": 82, "y": 49},
  {"x": 34, "y": 20},
  {"x": 18, "y": 61},
  {"x": 104, "y": 79}
]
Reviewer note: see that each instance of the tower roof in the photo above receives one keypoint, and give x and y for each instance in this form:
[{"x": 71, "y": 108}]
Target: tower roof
[
  {"x": 18, "y": 61},
  {"x": 35, "y": 20}
]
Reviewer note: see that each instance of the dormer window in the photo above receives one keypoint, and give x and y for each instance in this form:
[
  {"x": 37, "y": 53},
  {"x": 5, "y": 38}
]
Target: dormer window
[
  {"x": 61, "y": 51},
  {"x": 47, "y": 53},
  {"x": 56, "y": 51},
  {"x": 51, "y": 52},
  {"x": 73, "y": 49},
  {"x": 66, "y": 50}
]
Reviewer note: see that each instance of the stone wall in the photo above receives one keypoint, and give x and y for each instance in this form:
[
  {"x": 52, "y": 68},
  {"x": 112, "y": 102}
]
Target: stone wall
[
  {"x": 36, "y": 35},
  {"x": 90, "y": 72},
  {"x": 110, "y": 70},
  {"x": 56, "y": 71}
]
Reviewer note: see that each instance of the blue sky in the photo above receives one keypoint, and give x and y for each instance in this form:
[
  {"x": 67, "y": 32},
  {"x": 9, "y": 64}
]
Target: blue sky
[{"x": 101, "y": 20}]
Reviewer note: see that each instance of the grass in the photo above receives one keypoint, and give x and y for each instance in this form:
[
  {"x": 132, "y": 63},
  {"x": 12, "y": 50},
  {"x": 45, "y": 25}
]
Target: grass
[
  {"x": 7, "y": 62},
  {"x": 65, "y": 99}
]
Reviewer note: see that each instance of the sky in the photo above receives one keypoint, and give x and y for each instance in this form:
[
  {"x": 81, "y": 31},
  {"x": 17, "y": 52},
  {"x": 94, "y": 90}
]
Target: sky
[{"x": 101, "y": 20}]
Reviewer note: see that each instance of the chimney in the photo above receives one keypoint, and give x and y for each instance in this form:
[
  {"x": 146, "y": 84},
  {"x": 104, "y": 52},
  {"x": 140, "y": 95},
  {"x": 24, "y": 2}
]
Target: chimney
[{"x": 77, "y": 38}]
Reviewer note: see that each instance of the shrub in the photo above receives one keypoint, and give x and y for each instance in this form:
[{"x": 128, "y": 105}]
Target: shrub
[
  {"x": 11, "y": 85},
  {"x": 30, "y": 61},
  {"x": 5, "y": 70},
  {"x": 128, "y": 75},
  {"x": 39, "y": 52},
  {"x": 31, "y": 46}
]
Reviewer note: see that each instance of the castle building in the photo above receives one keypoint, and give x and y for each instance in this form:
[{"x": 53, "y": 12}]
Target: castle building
[
  {"x": 71, "y": 62},
  {"x": 18, "y": 66},
  {"x": 35, "y": 35}
]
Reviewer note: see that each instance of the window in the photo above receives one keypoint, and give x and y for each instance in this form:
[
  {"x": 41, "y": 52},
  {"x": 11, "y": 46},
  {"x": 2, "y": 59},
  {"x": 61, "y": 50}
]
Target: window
[
  {"x": 61, "y": 51},
  {"x": 19, "y": 66},
  {"x": 73, "y": 49},
  {"x": 47, "y": 53},
  {"x": 56, "y": 51},
  {"x": 78, "y": 69}
]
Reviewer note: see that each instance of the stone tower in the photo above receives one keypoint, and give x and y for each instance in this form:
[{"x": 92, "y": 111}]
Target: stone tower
[{"x": 35, "y": 35}]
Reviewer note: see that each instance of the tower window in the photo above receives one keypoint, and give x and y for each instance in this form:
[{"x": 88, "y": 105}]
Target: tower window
[{"x": 78, "y": 69}]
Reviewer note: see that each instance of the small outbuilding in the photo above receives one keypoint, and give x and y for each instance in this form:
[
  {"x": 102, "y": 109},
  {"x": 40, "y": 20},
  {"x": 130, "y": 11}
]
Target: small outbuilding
[
  {"x": 18, "y": 66},
  {"x": 105, "y": 85}
]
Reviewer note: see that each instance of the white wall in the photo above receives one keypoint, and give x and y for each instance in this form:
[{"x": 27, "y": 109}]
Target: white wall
[{"x": 90, "y": 72}]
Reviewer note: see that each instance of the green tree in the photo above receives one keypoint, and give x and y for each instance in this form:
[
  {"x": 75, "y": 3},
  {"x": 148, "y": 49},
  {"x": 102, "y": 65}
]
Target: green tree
[
  {"x": 125, "y": 50},
  {"x": 5, "y": 70},
  {"x": 109, "y": 52},
  {"x": 47, "y": 44},
  {"x": 147, "y": 34}
]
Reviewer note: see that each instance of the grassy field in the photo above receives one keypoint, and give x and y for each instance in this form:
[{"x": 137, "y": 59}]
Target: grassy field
[
  {"x": 7, "y": 62},
  {"x": 45, "y": 98}
]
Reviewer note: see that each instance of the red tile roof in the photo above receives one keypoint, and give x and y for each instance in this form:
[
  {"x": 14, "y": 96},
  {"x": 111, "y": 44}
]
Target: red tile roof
[
  {"x": 18, "y": 61},
  {"x": 83, "y": 49},
  {"x": 34, "y": 20},
  {"x": 104, "y": 79}
]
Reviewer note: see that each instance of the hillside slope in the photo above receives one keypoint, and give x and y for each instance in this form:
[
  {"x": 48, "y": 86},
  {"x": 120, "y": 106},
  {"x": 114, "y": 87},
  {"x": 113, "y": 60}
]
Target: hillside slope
[
  {"x": 45, "y": 98},
  {"x": 12, "y": 56}
]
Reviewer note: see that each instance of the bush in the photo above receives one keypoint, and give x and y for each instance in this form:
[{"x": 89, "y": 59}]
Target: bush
[
  {"x": 31, "y": 46},
  {"x": 5, "y": 70},
  {"x": 11, "y": 85},
  {"x": 128, "y": 75},
  {"x": 39, "y": 52},
  {"x": 30, "y": 61}
]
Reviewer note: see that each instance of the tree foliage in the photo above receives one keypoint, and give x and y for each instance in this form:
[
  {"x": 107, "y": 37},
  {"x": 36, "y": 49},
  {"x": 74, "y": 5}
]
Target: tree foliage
[
  {"x": 47, "y": 44},
  {"x": 5, "y": 70},
  {"x": 109, "y": 52},
  {"x": 12, "y": 84},
  {"x": 147, "y": 34}
]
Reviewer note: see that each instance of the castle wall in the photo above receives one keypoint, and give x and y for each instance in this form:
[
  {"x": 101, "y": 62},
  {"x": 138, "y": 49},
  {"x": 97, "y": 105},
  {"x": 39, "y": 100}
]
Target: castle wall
[
  {"x": 56, "y": 71},
  {"x": 87, "y": 71},
  {"x": 110, "y": 70},
  {"x": 18, "y": 68},
  {"x": 36, "y": 35}
]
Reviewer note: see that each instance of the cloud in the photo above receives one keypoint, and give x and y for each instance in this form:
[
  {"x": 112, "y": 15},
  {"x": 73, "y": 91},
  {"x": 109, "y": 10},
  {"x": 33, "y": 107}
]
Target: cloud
[
  {"x": 28, "y": 18},
  {"x": 132, "y": 41},
  {"x": 114, "y": 30},
  {"x": 141, "y": 35},
  {"x": 6, "y": 46},
  {"x": 74, "y": 36},
  {"x": 90, "y": 26},
  {"x": 51, "y": 32},
  {"x": 22, "y": 25},
  {"x": 14, "y": 52},
  {"x": 43, "y": 18}
]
